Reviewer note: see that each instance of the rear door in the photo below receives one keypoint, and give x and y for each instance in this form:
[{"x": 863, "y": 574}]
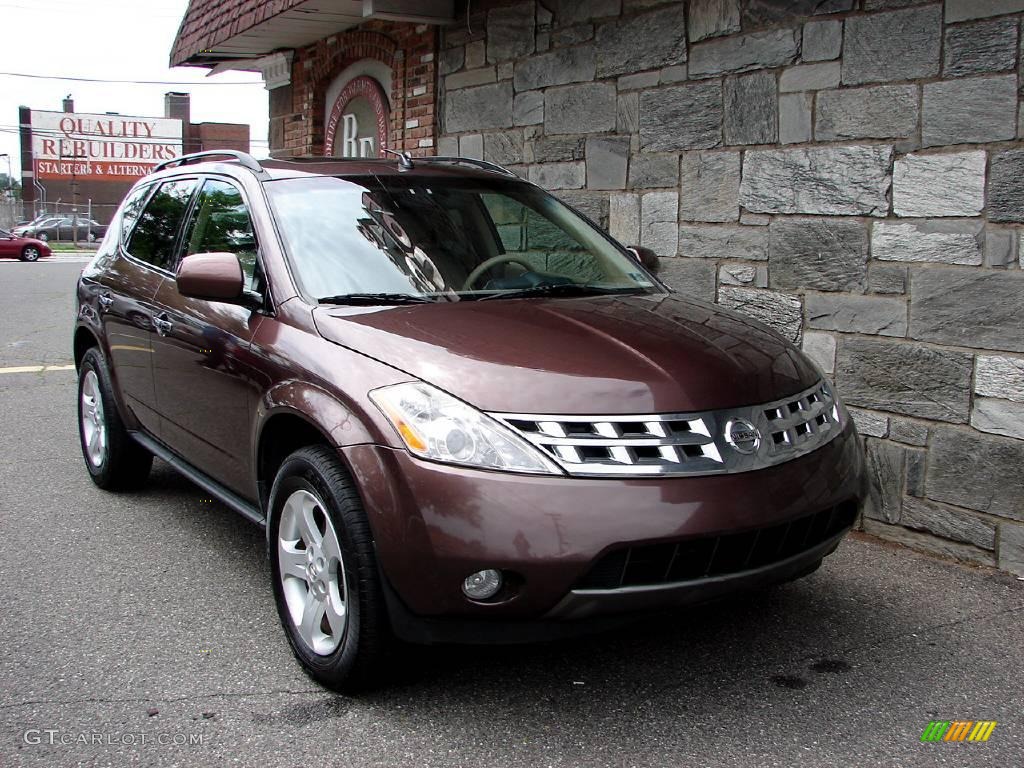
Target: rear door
[
  {"x": 8, "y": 246},
  {"x": 202, "y": 364},
  {"x": 128, "y": 287}
]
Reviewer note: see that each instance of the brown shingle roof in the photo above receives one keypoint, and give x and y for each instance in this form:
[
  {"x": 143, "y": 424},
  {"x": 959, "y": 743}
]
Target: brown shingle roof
[{"x": 210, "y": 22}]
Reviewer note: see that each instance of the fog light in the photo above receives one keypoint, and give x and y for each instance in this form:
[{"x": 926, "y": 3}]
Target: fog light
[{"x": 482, "y": 584}]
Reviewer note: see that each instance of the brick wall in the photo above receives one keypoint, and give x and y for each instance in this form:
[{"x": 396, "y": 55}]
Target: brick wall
[
  {"x": 297, "y": 111},
  {"x": 853, "y": 178}
]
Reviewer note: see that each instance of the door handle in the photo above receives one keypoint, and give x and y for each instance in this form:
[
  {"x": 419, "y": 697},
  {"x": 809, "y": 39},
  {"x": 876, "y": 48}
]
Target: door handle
[
  {"x": 162, "y": 324},
  {"x": 106, "y": 301}
]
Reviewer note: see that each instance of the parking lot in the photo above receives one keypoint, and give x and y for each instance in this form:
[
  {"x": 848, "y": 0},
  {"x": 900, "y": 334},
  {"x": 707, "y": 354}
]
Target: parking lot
[{"x": 140, "y": 629}]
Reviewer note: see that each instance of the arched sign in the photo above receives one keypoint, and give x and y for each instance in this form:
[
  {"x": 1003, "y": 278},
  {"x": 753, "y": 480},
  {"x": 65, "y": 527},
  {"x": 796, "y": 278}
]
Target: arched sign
[{"x": 358, "y": 126}]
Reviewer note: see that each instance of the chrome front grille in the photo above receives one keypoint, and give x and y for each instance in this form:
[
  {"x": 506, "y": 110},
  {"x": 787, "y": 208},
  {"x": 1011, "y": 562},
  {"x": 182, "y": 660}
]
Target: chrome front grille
[{"x": 685, "y": 443}]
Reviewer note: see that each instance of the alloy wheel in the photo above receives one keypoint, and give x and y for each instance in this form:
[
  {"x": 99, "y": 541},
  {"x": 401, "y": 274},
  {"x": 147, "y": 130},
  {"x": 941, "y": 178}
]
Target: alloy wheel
[
  {"x": 30, "y": 254},
  {"x": 94, "y": 426},
  {"x": 312, "y": 573}
]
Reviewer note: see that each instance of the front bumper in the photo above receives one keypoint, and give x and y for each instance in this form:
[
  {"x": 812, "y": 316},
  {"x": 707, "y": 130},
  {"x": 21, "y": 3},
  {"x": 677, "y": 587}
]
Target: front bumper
[{"x": 435, "y": 524}]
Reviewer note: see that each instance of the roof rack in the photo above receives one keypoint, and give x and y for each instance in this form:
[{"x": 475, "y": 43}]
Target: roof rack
[
  {"x": 244, "y": 159},
  {"x": 485, "y": 164}
]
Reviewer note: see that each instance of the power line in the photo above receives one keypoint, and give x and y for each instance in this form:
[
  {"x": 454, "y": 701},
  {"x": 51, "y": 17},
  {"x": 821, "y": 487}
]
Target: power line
[{"x": 120, "y": 82}]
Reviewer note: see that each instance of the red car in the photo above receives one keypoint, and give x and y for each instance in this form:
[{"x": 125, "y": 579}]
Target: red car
[{"x": 24, "y": 248}]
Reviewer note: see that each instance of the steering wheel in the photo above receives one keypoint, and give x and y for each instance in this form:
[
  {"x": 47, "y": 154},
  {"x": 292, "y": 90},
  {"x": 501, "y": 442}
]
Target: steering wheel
[{"x": 504, "y": 258}]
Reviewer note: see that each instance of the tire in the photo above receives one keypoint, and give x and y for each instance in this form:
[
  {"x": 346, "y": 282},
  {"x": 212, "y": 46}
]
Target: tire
[
  {"x": 115, "y": 461},
  {"x": 342, "y": 650},
  {"x": 91, "y": 237},
  {"x": 30, "y": 253},
  {"x": 43, "y": 236}
]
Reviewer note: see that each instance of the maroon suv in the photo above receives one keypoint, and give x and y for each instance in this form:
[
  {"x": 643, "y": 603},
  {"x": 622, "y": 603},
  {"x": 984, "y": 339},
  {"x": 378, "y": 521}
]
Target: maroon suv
[{"x": 461, "y": 411}]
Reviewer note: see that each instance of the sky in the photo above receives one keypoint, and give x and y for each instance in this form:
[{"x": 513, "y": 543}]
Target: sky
[{"x": 111, "y": 40}]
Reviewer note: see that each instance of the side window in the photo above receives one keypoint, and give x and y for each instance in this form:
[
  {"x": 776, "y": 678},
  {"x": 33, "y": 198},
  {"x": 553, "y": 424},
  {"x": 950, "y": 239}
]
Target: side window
[
  {"x": 156, "y": 232},
  {"x": 131, "y": 210},
  {"x": 221, "y": 223}
]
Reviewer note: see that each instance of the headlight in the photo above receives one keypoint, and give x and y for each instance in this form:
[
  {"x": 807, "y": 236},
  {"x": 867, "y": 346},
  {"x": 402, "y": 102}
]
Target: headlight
[{"x": 436, "y": 426}]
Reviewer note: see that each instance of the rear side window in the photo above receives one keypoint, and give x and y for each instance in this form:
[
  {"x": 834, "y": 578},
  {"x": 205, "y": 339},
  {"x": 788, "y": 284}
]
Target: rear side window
[
  {"x": 221, "y": 223},
  {"x": 156, "y": 232},
  {"x": 131, "y": 210}
]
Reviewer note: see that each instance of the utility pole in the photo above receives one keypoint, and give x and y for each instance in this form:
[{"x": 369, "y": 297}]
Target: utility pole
[{"x": 74, "y": 198}]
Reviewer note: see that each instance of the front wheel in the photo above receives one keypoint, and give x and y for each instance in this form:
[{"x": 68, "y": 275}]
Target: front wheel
[
  {"x": 30, "y": 253},
  {"x": 114, "y": 460},
  {"x": 324, "y": 569}
]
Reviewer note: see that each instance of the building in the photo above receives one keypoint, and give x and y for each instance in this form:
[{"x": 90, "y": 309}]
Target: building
[
  {"x": 849, "y": 172},
  {"x": 74, "y": 161}
]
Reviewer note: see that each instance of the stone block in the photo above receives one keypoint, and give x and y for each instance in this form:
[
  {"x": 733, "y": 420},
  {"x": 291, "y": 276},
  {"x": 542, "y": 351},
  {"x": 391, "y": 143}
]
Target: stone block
[
  {"x": 909, "y": 432},
  {"x": 948, "y": 522},
  {"x": 658, "y": 228},
  {"x": 751, "y": 109},
  {"x": 926, "y": 542},
  {"x": 810, "y": 77},
  {"x": 712, "y": 18},
  {"x": 818, "y": 254},
  {"x": 779, "y": 311},
  {"x": 948, "y": 184},
  {"x": 937, "y": 242},
  {"x": 648, "y": 41},
  {"x": 472, "y": 145},
  {"x": 448, "y": 146},
  {"x": 486, "y": 106},
  {"x": 580, "y": 33},
  {"x": 559, "y": 67},
  {"x": 627, "y": 113},
  {"x": 1000, "y": 247},
  {"x": 761, "y": 13},
  {"x": 905, "y": 378},
  {"x": 584, "y": 108},
  {"x": 607, "y": 161},
  {"x": 743, "y": 274},
  {"x": 973, "y": 111},
  {"x": 568, "y": 12},
  {"x": 877, "y": 112},
  {"x": 640, "y": 81},
  {"x": 559, "y": 149},
  {"x": 469, "y": 78},
  {"x": 1006, "y": 186},
  {"x": 885, "y": 470},
  {"x": 981, "y": 48},
  {"x": 504, "y": 148},
  {"x": 985, "y": 312},
  {"x": 510, "y": 32},
  {"x": 709, "y": 186},
  {"x": 887, "y": 279},
  {"x": 795, "y": 117},
  {"x": 723, "y": 242},
  {"x": 857, "y": 314},
  {"x": 528, "y": 108},
  {"x": 624, "y": 219},
  {"x": 978, "y": 472},
  {"x": 558, "y": 175},
  {"x": 741, "y": 53},
  {"x": 681, "y": 117},
  {"x": 851, "y": 180},
  {"x": 694, "y": 277},
  {"x": 593, "y": 205},
  {"x": 962, "y": 10},
  {"x": 917, "y": 463},
  {"x": 675, "y": 74},
  {"x": 823, "y": 40},
  {"x": 999, "y": 417},
  {"x": 476, "y": 54},
  {"x": 821, "y": 348},
  {"x": 998, "y": 376},
  {"x": 451, "y": 60},
  {"x": 896, "y": 45},
  {"x": 869, "y": 423},
  {"x": 1011, "y": 548},
  {"x": 650, "y": 170}
]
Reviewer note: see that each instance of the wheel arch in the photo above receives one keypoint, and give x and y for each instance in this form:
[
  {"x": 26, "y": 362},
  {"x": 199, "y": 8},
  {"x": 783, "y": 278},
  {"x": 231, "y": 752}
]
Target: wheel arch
[{"x": 84, "y": 340}]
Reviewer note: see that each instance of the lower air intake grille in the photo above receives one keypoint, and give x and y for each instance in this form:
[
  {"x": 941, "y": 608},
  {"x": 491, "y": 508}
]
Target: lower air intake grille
[{"x": 694, "y": 559}]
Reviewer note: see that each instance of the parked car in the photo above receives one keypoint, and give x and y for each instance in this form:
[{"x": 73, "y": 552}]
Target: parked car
[
  {"x": 22, "y": 226},
  {"x": 24, "y": 248},
  {"x": 461, "y": 410},
  {"x": 66, "y": 228}
]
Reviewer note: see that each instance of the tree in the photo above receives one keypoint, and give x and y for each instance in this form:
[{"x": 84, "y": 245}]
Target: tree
[{"x": 9, "y": 187}]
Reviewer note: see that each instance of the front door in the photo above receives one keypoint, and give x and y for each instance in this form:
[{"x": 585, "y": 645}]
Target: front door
[{"x": 201, "y": 351}]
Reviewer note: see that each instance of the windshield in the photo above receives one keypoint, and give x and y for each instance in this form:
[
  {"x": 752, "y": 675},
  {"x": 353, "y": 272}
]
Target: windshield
[{"x": 422, "y": 238}]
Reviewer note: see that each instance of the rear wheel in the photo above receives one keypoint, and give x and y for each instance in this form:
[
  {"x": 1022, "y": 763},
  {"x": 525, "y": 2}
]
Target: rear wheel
[
  {"x": 30, "y": 253},
  {"x": 43, "y": 236},
  {"x": 113, "y": 459},
  {"x": 324, "y": 569}
]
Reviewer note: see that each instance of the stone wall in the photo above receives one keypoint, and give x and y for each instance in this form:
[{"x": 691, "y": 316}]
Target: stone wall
[{"x": 847, "y": 171}]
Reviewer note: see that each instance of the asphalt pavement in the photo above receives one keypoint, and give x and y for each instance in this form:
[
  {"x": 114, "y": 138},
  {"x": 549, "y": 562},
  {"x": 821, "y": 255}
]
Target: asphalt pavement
[{"x": 139, "y": 629}]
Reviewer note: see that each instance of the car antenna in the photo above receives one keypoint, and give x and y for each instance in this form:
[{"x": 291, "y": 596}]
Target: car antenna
[{"x": 404, "y": 161}]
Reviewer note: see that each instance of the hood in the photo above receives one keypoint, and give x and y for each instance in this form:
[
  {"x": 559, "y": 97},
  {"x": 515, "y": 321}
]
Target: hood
[{"x": 601, "y": 355}]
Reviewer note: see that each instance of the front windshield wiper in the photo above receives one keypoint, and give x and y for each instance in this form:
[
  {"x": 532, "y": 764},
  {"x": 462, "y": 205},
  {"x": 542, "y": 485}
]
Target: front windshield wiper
[
  {"x": 365, "y": 299},
  {"x": 557, "y": 289}
]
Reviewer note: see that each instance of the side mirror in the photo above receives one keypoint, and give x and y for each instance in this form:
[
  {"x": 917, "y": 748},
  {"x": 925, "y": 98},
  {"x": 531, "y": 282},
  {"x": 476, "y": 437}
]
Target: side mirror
[
  {"x": 647, "y": 258},
  {"x": 213, "y": 276}
]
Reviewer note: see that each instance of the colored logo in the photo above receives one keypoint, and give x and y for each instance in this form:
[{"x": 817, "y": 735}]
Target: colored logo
[{"x": 958, "y": 730}]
